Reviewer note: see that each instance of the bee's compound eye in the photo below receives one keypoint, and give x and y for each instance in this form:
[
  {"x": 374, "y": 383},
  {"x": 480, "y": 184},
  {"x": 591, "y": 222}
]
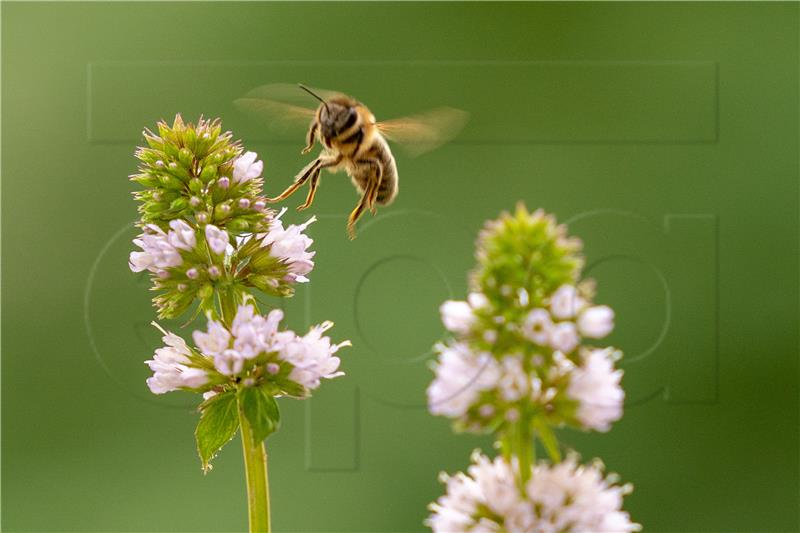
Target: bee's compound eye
[{"x": 350, "y": 118}]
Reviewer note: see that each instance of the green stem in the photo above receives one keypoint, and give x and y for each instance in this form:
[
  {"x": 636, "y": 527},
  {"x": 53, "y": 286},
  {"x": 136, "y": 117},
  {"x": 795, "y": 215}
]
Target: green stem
[
  {"x": 527, "y": 449},
  {"x": 255, "y": 466}
]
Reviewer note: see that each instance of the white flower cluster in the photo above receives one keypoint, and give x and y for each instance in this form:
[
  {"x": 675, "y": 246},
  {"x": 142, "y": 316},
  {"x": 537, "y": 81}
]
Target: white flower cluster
[
  {"x": 290, "y": 245},
  {"x": 566, "y": 497},
  {"x": 171, "y": 366},
  {"x": 160, "y": 250},
  {"x": 548, "y": 368},
  {"x": 254, "y": 350}
]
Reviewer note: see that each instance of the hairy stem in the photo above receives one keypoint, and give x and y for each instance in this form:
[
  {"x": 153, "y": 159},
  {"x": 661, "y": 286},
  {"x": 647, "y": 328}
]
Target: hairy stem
[{"x": 255, "y": 466}]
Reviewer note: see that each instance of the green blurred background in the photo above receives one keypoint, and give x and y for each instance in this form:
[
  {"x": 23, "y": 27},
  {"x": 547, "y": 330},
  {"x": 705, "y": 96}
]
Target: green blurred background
[{"x": 665, "y": 134}]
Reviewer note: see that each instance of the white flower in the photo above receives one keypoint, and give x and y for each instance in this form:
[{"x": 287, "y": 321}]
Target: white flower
[
  {"x": 596, "y": 322},
  {"x": 564, "y": 337},
  {"x": 537, "y": 326},
  {"x": 497, "y": 483},
  {"x": 460, "y": 377},
  {"x": 457, "y": 316},
  {"x": 566, "y": 497},
  {"x": 312, "y": 357},
  {"x": 217, "y": 239},
  {"x": 596, "y": 386},
  {"x": 253, "y": 333},
  {"x": 229, "y": 362},
  {"x": 477, "y": 300},
  {"x": 290, "y": 245},
  {"x": 157, "y": 252},
  {"x": 565, "y": 302},
  {"x": 491, "y": 485},
  {"x": 514, "y": 383},
  {"x": 170, "y": 366},
  {"x": 182, "y": 235},
  {"x": 572, "y": 497},
  {"x": 213, "y": 342},
  {"x": 246, "y": 167}
]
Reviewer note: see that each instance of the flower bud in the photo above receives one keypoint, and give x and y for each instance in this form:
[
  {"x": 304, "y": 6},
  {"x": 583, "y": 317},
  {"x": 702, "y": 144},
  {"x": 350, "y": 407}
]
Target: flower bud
[
  {"x": 209, "y": 173},
  {"x": 202, "y": 217},
  {"x": 596, "y": 322},
  {"x": 259, "y": 205},
  {"x": 224, "y": 182},
  {"x": 170, "y": 182},
  {"x": 185, "y": 157},
  {"x": 194, "y": 201},
  {"x": 206, "y": 291},
  {"x": 238, "y": 225},
  {"x": 273, "y": 368},
  {"x": 244, "y": 203},
  {"x": 195, "y": 185},
  {"x": 564, "y": 337},
  {"x": 192, "y": 273},
  {"x": 214, "y": 272},
  {"x": 179, "y": 204}
]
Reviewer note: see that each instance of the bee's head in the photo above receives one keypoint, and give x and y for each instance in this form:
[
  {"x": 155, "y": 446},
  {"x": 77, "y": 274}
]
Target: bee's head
[{"x": 335, "y": 115}]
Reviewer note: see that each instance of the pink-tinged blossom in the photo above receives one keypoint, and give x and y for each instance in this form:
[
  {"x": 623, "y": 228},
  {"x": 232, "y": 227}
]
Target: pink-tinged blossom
[
  {"x": 217, "y": 239},
  {"x": 596, "y": 322},
  {"x": 170, "y": 366},
  {"x": 290, "y": 245},
  {"x": 595, "y": 385},
  {"x": 157, "y": 251},
  {"x": 246, "y": 168},
  {"x": 312, "y": 357}
]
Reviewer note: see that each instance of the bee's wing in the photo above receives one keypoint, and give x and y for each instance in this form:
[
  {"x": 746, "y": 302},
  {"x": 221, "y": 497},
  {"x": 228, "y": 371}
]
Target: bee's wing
[
  {"x": 425, "y": 131},
  {"x": 282, "y": 105}
]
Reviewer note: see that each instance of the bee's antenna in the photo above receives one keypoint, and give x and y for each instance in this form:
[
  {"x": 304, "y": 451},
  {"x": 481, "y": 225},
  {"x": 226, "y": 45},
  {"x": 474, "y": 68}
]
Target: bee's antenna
[{"x": 309, "y": 91}]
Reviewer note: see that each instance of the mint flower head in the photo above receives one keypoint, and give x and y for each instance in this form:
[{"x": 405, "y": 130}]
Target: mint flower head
[
  {"x": 519, "y": 347},
  {"x": 520, "y": 361},
  {"x": 205, "y": 225},
  {"x": 198, "y": 173},
  {"x": 253, "y": 352},
  {"x": 563, "y": 497}
]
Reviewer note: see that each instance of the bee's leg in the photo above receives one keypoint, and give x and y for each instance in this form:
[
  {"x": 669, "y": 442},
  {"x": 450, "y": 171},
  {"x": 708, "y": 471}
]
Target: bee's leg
[
  {"x": 312, "y": 190},
  {"x": 372, "y": 191},
  {"x": 310, "y": 137},
  {"x": 355, "y": 215},
  {"x": 301, "y": 178}
]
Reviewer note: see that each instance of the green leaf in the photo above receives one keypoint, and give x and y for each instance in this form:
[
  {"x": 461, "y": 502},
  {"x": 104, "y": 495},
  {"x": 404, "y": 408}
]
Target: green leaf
[
  {"x": 219, "y": 421},
  {"x": 261, "y": 411},
  {"x": 548, "y": 438}
]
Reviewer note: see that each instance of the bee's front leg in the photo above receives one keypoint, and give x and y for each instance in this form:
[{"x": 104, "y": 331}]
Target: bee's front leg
[
  {"x": 301, "y": 178},
  {"x": 311, "y": 136},
  {"x": 312, "y": 187}
]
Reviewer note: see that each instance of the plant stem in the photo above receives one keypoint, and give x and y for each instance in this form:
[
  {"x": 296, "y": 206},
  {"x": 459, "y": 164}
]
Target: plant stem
[
  {"x": 255, "y": 466},
  {"x": 527, "y": 449}
]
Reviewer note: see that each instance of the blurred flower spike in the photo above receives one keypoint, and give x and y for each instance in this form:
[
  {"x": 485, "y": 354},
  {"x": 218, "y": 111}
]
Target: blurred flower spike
[{"x": 519, "y": 363}]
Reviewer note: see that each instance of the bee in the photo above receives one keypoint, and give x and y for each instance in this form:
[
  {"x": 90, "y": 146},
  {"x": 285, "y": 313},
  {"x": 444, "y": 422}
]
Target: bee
[{"x": 352, "y": 140}]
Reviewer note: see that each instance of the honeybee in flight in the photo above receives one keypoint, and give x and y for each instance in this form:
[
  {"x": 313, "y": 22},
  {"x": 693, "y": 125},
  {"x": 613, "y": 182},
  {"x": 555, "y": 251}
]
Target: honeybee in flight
[{"x": 352, "y": 140}]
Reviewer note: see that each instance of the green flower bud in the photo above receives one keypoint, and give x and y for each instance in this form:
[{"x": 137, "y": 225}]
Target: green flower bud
[
  {"x": 209, "y": 173},
  {"x": 170, "y": 182},
  {"x": 145, "y": 179},
  {"x": 185, "y": 157},
  {"x": 238, "y": 224},
  {"x": 179, "y": 204},
  {"x": 195, "y": 185}
]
